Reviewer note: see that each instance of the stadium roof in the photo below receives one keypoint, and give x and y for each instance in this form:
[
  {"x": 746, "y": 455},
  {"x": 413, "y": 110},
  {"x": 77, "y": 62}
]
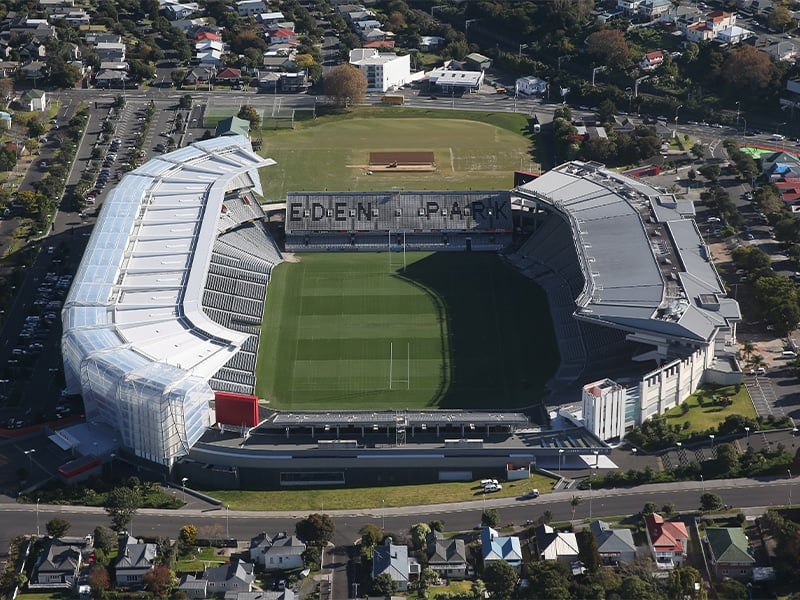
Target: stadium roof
[
  {"x": 390, "y": 418},
  {"x": 140, "y": 283},
  {"x": 644, "y": 260}
]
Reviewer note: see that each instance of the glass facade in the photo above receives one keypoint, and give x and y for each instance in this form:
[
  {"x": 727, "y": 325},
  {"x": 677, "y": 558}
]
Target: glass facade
[{"x": 134, "y": 344}]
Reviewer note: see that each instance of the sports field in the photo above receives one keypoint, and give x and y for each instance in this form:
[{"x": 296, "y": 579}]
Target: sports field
[
  {"x": 471, "y": 150},
  {"x": 452, "y": 330}
]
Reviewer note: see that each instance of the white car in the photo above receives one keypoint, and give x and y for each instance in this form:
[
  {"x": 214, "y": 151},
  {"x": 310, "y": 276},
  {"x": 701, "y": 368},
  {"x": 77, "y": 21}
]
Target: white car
[
  {"x": 758, "y": 371},
  {"x": 493, "y": 488}
]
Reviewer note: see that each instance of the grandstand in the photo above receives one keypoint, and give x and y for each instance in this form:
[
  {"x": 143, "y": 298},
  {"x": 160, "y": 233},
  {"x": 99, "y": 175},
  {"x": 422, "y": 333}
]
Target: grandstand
[
  {"x": 137, "y": 343},
  {"x": 430, "y": 221},
  {"x": 631, "y": 284}
]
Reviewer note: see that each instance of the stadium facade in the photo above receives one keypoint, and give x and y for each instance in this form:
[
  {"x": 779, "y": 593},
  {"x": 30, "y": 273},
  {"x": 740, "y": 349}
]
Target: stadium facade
[
  {"x": 137, "y": 344},
  {"x": 166, "y": 308}
]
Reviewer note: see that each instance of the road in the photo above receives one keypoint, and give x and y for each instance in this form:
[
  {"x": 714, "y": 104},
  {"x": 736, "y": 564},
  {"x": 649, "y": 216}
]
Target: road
[{"x": 749, "y": 495}]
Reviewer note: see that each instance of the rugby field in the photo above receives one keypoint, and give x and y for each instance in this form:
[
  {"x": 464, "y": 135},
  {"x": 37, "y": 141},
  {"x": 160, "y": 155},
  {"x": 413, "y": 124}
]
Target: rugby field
[{"x": 452, "y": 330}]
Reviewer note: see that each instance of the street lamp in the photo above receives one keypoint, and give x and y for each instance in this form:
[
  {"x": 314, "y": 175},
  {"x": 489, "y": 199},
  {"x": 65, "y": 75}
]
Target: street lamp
[
  {"x": 747, "y": 433},
  {"x": 183, "y": 482},
  {"x": 675, "y": 130},
  {"x": 703, "y": 483},
  {"x": 628, "y": 91},
  {"x": 711, "y": 437},
  {"x": 790, "y": 486},
  {"x": 560, "y": 454},
  {"x": 597, "y": 459},
  {"x": 29, "y": 454},
  {"x": 383, "y": 514},
  {"x": 521, "y": 48},
  {"x": 227, "y": 530},
  {"x": 37, "y": 513},
  {"x": 467, "y": 23}
]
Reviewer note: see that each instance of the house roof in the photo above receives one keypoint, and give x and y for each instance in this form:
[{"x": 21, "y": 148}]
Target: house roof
[
  {"x": 553, "y": 545},
  {"x": 229, "y": 73},
  {"x": 282, "y": 33},
  {"x": 33, "y": 94},
  {"x": 280, "y": 543},
  {"x": 612, "y": 541},
  {"x": 207, "y": 35},
  {"x": 390, "y": 559},
  {"x": 729, "y": 545},
  {"x": 499, "y": 547},
  {"x": 233, "y": 126},
  {"x": 442, "y": 550},
  {"x": 133, "y": 555},
  {"x": 60, "y": 557},
  {"x": 236, "y": 569},
  {"x": 666, "y": 535}
]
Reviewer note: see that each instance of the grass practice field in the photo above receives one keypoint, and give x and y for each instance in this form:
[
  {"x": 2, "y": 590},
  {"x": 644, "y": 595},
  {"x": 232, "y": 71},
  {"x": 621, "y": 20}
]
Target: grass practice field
[
  {"x": 464, "y": 330},
  {"x": 472, "y": 151}
]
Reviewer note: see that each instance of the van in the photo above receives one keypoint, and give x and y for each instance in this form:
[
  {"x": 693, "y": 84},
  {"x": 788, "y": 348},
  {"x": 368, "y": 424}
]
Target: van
[
  {"x": 788, "y": 354},
  {"x": 777, "y": 137}
]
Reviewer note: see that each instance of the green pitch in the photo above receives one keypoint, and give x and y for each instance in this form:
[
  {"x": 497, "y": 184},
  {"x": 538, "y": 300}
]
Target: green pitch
[
  {"x": 477, "y": 151},
  {"x": 454, "y": 330}
]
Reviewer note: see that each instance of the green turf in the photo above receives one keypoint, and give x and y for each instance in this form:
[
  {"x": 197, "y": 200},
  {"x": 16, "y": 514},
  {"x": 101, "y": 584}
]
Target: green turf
[
  {"x": 466, "y": 330},
  {"x": 471, "y": 150}
]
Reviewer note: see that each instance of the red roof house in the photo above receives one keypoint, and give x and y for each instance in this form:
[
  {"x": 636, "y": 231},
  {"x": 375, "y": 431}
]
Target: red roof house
[
  {"x": 282, "y": 36},
  {"x": 229, "y": 74},
  {"x": 207, "y": 35},
  {"x": 668, "y": 540},
  {"x": 651, "y": 60}
]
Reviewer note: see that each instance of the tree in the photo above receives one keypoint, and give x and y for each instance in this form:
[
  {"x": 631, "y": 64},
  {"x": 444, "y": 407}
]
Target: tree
[
  {"x": 437, "y": 525},
  {"x": 383, "y": 585},
  {"x": 312, "y": 557},
  {"x": 588, "y": 552},
  {"x": 780, "y": 18},
  {"x": 188, "y": 535},
  {"x": 574, "y": 502},
  {"x": 121, "y": 504},
  {"x": 549, "y": 580},
  {"x": 315, "y": 529},
  {"x": 681, "y": 584},
  {"x": 710, "y": 172},
  {"x": 649, "y": 508},
  {"x": 371, "y": 535},
  {"x": 728, "y": 459},
  {"x": 419, "y": 535},
  {"x": 748, "y": 69},
  {"x": 98, "y": 580},
  {"x": 698, "y": 150},
  {"x": 500, "y": 579},
  {"x": 345, "y": 84},
  {"x": 710, "y": 501},
  {"x": 609, "y": 47},
  {"x": 56, "y": 527},
  {"x": 185, "y": 101},
  {"x": 6, "y": 90},
  {"x": 249, "y": 113},
  {"x": 177, "y": 76},
  {"x": 426, "y": 579},
  {"x": 490, "y": 517},
  {"x": 159, "y": 580},
  {"x": 104, "y": 538},
  {"x": 730, "y": 589}
]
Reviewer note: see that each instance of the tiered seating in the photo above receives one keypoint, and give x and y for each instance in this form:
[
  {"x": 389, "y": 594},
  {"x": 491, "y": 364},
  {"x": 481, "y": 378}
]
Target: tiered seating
[{"x": 235, "y": 291}]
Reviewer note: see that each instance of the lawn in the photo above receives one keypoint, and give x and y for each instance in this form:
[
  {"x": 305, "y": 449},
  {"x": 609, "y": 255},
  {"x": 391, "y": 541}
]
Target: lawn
[
  {"x": 472, "y": 151},
  {"x": 377, "y": 497},
  {"x": 453, "y": 588},
  {"x": 701, "y": 418},
  {"x": 207, "y": 557},
  {"x": 454, "y": 330}
]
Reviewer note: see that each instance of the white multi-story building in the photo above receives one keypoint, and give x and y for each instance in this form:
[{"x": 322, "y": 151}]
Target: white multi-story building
[
  {"x": 531, "y": 86},
  {"x": 604, "y": 409},
  {"x": 249, "y": 8},
  {"x": 384, "y": 70}
]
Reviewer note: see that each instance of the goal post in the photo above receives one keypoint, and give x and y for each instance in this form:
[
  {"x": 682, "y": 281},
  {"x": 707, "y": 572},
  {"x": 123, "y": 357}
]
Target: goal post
[{"x": 392, "y": 379}]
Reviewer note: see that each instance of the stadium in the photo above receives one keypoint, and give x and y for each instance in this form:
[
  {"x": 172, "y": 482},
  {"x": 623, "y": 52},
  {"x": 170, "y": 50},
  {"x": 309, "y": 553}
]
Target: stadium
[{"x": 162, "y": 324}]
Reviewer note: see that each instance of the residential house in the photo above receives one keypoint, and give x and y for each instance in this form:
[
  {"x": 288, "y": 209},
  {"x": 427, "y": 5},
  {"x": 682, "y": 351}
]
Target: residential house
[
  {"x": 531, "y": 86},
  {"x": 629, "y": 7},
  {"x": 365, "y": 25},
  {"x": 614, "y": 545},
  {"x": 278, "y": 61},
  {"x": 651, "y": 61},
  {"x": 710, "y": 28},
  {"x": 282, "y": 36},
  {"x": 35, "y": 70},
  {"x": 383, "y": 70},
  {"x": 210, "y": 36},
  {"x": 40, "y": 29},
  {"x": 199, "y": 75},
  {"x": 110, "y": 78},
  {"x": 496, "y": 547},
  {"x": 379, "y": 44},
  {"x": 667, "y": 540},
  {"x": 133, "y": 561},
  {"x": 430, "y": 42},
  {"x": 556, "y": 545},
  {"x": 294, "y": 82},
  {"x": 779, "y": 166},
  {"x": 478, "y": 62},
  {"x": 235, "y": 576},
  {"x": 8, "y": 68},
  {"x": 393, "y": 560},
  {"x": 729, "y": 550},
  {"x": 374, "y": 35},
  {"x": 734, "y": 35},
  {"x": 268, "y": 18},
  {"x": 209, "y": 53},
  {"x": 32, "y": 51},
  {"x": 249, "y": 8},
  {"x": 102, "y": 37},
  {"x": 448, "y": 557},
  {"x": 652, "y": 9},
  {"x": 176, "y": 11},
  {"x": 110, "y": 51},
  {"x": 5, "y": 120},
  {"x": 72, "y": 16},
  {"x": 34, "y": 100},
  {"x": 230, "y": 75},
  {"x": 195, "y": 588},
  {"x": 57, "y": 566},
  {"x": 286, "y": 594},
  {"x": 280, "y": 551}
]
